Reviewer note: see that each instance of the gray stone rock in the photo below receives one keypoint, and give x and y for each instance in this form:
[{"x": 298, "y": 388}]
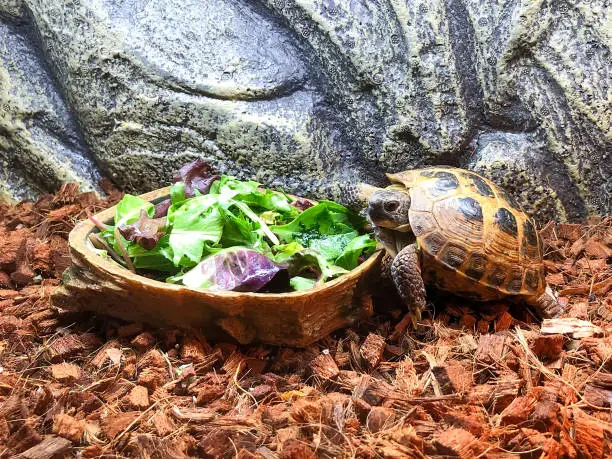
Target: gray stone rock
[{"x": 307, "y": 95}]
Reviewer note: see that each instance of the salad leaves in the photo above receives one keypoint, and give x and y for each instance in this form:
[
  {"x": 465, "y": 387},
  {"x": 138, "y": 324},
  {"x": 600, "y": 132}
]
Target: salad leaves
[
  {"x": 197, "y": 175},
  {"x": 237, "y": 268},
  {"x": 331, "y": 230},
  {"x": 221, "y": 233},
  {"x": 145, "y": 231},
  {"x": 192, "y": 226},
  {"x": 128, "y": 209}
]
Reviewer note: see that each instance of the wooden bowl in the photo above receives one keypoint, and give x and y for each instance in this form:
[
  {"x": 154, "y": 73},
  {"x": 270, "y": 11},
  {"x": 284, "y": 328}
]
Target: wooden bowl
[{"x": 92, "y": 283}]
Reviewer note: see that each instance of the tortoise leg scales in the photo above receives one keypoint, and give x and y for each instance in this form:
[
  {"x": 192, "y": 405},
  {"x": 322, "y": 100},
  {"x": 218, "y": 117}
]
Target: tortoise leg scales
[
  {"x": 385, "y": 269},
  {"x": 546, "y": 305},
  {"x": 406, "y": 274}
]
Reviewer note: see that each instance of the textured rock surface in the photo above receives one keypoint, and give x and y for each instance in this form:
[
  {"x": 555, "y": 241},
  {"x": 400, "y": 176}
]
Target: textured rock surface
[{"x": 305, "y": 94}]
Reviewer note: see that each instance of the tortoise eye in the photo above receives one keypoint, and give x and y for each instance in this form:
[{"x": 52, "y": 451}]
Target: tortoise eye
[{"x": 391, "y": 206}]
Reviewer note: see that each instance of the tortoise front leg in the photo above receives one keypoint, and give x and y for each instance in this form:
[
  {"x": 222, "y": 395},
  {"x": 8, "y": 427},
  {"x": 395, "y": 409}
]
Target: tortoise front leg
[
  {"x": 406, "y": 275},
  {"x": 546, "y": 305},
  {"x": 385, "y": 271}
]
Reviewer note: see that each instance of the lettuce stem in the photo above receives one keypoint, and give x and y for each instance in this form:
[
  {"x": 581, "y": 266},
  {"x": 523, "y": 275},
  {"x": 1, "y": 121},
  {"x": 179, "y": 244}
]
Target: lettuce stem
[
  {"x": 98, "y": 223},
  {"x": 126, "y": 256},
  {"x": 253, "y": 216}
]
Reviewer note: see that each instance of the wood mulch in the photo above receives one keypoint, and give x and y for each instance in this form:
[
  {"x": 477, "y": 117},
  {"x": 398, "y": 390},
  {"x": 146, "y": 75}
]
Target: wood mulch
[{"x": 487, "y": 381}]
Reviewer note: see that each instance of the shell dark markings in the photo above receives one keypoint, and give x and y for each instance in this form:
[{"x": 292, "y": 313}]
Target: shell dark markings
[
  {"x": 434, "y": 242},
  {"x": 497, "y": 276},
  {"x": 453, "y": 255},
  {"x": 444, "y": 174},
  {"x": 516, "y": 280},
  {"x": 530, "y": 233},
  {"x": 448, "y": 183},
  {"x": 422, "y": 222},
  {"x": 532, "y": 244},
  {"x": 445, "y": 182},
  {"x": 510, "y": 199},
  {"x": 483, "y": 188},
  {"x": 531, "y": 280},
  {"x": 528, "y": 250},
  {"x": 470, "y": 208},
  {"x": 476, "y": 266},
  {"x": 506, "y": 221}
]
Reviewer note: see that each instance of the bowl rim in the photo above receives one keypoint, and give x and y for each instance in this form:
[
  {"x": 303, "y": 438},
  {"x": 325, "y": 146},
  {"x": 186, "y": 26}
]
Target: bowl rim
[{"x": 78, "y": 241}]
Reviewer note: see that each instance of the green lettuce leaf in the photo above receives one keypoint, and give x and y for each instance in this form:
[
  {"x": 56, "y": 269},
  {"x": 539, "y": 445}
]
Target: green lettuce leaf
[
  {"x": 177, "y": 192},
  {"x": 301, "y": 283},
  {"x": 331, "y": 230},
  {"x": 269, "y": 217},
  {"x": 158, "y": 258},
  {"x": 284, "y": 251},
  {"x": 263, "y": 227},
  {"x": 324, "y": 219},
  {"x": 248, "y": 192},
  {"x": 311, "y": 261},
  {"x": 349, "y": 259},
  {"x": 194, "y": 222},
  {"x": 332, "y": 246},
  {"x": 128, "y": 209},
  {"x": 239, "y": 230}
]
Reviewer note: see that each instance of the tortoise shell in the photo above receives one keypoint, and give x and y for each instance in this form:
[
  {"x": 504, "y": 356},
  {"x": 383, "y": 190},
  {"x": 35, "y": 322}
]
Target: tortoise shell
[{"x": 474, "y": 239}]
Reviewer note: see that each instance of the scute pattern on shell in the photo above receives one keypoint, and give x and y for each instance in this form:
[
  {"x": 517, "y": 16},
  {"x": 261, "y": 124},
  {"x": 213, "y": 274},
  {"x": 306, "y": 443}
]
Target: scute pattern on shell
[{"x": 473, "y": 237}]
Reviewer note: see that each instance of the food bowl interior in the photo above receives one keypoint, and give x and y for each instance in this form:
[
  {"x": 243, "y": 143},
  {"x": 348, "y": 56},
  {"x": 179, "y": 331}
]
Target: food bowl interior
[{"x": 155, "y": 198}]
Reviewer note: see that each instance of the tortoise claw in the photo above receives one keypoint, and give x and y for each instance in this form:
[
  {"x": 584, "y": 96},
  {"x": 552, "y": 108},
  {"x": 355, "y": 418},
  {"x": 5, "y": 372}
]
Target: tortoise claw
[
  {"x": 546, "y": 305},
  {"x": 409, "y": 321}
]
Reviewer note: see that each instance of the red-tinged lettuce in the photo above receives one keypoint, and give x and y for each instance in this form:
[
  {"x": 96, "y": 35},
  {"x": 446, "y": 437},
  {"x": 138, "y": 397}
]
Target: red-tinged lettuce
[
  {"x": 302, "y": 204},
  {"x": 161, "y": 209},
  {"x": 128, "y": 209},
  {"x": 145, "y": 231},
  {"x": 236, "y": 268},
  {"x": 197, "y": 175}
]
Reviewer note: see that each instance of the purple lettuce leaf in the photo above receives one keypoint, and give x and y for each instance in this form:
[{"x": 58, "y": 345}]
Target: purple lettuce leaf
[
  {"x": 302, "y": 204},
  {"x": 197, "y": 175},
  {"x": 236, "y": 268},
  {"x": 161, "y": 209},
  {"x": 145, "y": 231}
]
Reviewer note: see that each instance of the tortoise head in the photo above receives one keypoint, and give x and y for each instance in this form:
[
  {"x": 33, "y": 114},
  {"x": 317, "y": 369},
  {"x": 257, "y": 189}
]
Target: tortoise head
[
  {"x": 357, "y": 195},
  {"x": 388, "y": 208}
]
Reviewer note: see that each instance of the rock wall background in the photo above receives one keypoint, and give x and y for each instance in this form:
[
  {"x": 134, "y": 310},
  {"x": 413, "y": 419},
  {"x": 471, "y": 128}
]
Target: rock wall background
[{"x": 306, "y": 95}]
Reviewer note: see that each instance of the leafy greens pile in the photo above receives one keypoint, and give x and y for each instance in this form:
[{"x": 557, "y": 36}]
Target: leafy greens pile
[{"x": 220, "y": 233}]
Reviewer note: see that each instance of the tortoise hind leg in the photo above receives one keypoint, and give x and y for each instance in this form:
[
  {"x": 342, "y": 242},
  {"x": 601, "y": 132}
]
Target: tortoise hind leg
[
  {"x": 406, "y": 275},
  {"x": 545, "y": 305}
]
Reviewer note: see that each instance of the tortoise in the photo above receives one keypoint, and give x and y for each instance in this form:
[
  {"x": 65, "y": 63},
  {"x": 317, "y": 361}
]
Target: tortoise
[{"x": 459, "y": 232}]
